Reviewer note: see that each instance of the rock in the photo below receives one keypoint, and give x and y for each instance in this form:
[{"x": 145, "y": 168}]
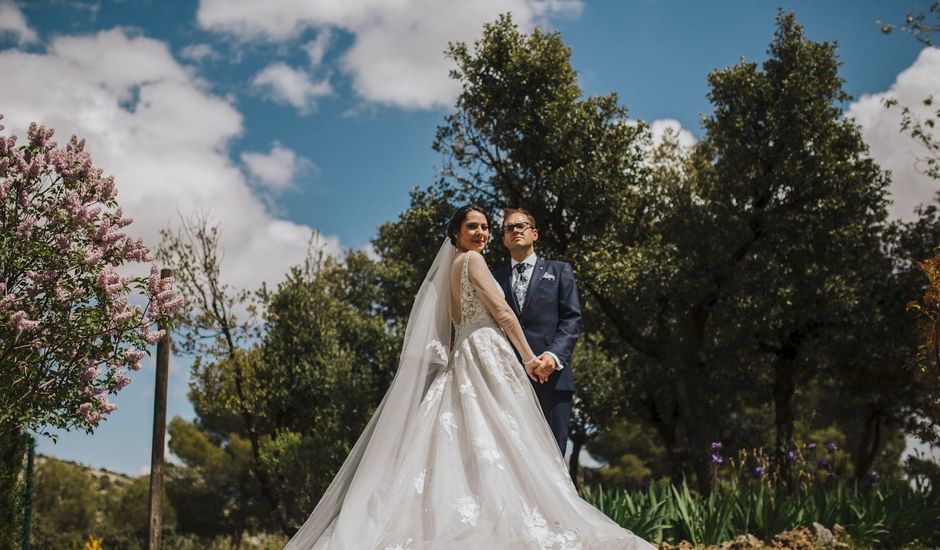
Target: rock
[
  {"x": 824, "y": 537},
  {"x": 797, "y": 539},
  {"x": 743, "y": 542}
]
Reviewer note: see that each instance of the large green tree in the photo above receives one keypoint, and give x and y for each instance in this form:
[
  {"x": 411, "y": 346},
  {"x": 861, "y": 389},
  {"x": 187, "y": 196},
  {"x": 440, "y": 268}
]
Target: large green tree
[
  {"x": 279, "y": 409},
  {"x": 722, "y": 271}
]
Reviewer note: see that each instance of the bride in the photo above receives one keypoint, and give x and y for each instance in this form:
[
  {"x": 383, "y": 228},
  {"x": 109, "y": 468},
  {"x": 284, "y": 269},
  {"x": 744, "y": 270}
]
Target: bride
[{"x": 458, "y": 454}]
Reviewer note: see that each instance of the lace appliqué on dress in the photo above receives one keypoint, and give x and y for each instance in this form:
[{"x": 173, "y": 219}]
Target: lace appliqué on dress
[
  {"x": 436, "y": 391},
  {"x": 473, "y": 313},
  {"x": 489, "y": 452},
  {"x": 539, "y": 532},
  {"x": 447, "y": 422},
  {"x": 439, "y": 350},
  {"x": 405, "y": 546},
  {"x": 468, "y": 510},
  {"x": 419, "y": 481}
]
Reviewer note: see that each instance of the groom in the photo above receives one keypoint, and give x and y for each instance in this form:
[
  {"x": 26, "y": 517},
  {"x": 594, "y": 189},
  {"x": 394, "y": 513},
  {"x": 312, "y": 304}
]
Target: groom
[{"x": 545, "y": 298}]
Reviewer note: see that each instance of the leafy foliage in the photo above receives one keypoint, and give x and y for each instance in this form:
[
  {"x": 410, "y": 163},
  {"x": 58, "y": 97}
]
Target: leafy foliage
[
  {"x": 68, "y": 333},
  {"x": 890, "y": 516}
]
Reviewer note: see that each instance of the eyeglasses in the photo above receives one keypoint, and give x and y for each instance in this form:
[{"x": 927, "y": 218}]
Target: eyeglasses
[{"x": 521, "y": 226}]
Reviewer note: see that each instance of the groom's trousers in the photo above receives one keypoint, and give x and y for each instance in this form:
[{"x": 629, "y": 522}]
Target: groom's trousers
[{"x": 556, "y": 406}]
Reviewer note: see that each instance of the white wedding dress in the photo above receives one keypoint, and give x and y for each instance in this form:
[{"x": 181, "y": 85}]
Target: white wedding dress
[{"x": 473, "y": 465}]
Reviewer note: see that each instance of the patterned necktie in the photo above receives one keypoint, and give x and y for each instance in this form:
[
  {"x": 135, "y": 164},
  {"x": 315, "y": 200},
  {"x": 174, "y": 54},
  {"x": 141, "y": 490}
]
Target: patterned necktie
[{"x": 521, "y": 285}]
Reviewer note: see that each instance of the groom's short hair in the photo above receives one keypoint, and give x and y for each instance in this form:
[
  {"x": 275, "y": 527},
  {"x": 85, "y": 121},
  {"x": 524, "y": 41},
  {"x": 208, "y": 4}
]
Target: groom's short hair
[{"x": 524, "y": 212}]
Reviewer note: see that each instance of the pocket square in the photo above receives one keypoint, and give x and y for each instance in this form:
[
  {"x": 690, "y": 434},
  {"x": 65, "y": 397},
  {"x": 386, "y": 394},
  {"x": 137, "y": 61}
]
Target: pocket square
[{"x": 548, "y": 277}]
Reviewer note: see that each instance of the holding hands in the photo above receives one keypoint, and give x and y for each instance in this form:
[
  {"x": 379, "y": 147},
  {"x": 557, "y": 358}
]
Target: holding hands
[{"x": 540, "y": 367}]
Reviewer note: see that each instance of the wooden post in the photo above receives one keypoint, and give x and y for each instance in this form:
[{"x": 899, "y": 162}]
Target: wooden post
[
  {"x": 159, "y": 434},
  {"x": 28, "y": 491}
]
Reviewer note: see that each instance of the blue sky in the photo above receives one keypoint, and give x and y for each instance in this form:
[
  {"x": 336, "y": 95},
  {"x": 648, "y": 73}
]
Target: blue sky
[{"x": 278, "y": 118}]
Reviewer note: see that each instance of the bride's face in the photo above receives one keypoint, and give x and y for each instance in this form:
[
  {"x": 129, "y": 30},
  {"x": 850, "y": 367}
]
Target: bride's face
[{"x": 474, "y": 232}]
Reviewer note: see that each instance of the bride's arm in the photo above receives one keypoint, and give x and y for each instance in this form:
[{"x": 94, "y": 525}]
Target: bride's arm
[{"x": 496, "y": 304}]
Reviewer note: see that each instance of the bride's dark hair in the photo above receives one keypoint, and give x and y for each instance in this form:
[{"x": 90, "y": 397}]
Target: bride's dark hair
[{"x": 453, "y": 226}]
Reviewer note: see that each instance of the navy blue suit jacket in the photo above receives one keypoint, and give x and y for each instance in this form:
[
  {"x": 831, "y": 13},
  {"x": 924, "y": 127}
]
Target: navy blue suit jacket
[{"x": 551, "y": 316}]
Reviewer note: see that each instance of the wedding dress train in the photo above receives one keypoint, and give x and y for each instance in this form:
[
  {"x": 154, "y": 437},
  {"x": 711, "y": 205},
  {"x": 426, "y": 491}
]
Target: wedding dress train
[{"x": 475, "y": 465}]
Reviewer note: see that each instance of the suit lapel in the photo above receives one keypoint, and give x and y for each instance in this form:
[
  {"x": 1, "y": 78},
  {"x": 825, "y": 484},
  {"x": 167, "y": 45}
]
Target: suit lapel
[
  {"x": 533, "y": 283},
  {"x": 505, "y": 281}
]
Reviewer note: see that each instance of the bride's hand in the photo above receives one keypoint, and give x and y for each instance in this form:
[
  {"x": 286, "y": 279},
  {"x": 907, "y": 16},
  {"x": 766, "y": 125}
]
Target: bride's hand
[
  {"x": 545, "y": 368},
  {"x": 531, "y": 367}
]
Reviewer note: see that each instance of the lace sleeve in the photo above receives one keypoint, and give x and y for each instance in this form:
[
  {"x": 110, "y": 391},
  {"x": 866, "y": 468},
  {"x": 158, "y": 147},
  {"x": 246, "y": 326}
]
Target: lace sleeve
[{"x": 492, "y": 297}]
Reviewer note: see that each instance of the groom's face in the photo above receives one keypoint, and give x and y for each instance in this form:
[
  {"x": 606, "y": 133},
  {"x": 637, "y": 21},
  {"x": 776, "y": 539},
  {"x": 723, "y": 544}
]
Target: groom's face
[{"x": 519, "y": 240}]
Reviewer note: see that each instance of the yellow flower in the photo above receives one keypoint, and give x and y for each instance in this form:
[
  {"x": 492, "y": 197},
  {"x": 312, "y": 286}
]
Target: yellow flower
[{"x": 92, "y": 544}]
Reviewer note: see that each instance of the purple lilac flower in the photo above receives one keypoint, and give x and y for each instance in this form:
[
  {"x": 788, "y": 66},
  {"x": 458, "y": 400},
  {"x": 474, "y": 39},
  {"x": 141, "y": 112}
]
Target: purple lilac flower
[
  {"x": 716, "y": 446},
  {"x": 832, "y": 447},
  {"x": 25, "y": 229},
  {"x": 120, "y": 379},
  {"x": 759, "y": 471},
  {"x": 790, "y": 456},
  {"x": 152, "y": 336},
  {"x": 21, "y": 322},
  {"x": 716, "y": 458},
  {"x": 811, "y": 446},
  {"x": 134, "y": 355}
]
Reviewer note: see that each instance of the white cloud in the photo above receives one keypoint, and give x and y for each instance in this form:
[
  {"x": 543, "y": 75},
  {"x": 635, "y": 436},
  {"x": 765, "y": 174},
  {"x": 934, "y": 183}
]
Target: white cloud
[
  {"x": 892, "y": 149},
  {"x": 161, "y": 133},
  {"x": 199, "y": 52},
  {"x": 658, "y": 129},
  {"x": 397, "y": 55},
  {"x": 317, "y": 47},
  {"x": 278, "y": 168},
  {"x": 13, "y": 22},
  {"x": 294, "y": 87}
]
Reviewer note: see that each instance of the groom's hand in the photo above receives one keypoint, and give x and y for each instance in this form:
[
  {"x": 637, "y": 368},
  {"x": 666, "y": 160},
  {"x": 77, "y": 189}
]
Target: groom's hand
[{"x": 545, "y": 368}]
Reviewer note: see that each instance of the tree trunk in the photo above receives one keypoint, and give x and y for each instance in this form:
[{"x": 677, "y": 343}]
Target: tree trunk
[
  {"x": 666, "y": 428},
  {"x": 574, "y": 463},
  {"x": 691, "y": 416},
  {"x": 783, "y": 390},
  {"x": 870, "y": 442},
  {"x": 260, "y": 475}
]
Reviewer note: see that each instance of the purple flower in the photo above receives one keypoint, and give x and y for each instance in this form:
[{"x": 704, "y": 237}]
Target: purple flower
[
  {"x": 716, "y": 458},
  {"x": 91, "y": 372},
  {"x": 152, "y": 336},
  {"x": 811, "y": 446},
  {"x": 153, "y": 282},
  {"x": 759, "y": 471},
  {"x": 716, "y": 446},
  {"x": 90, "y": 413},
  {"x": 832, "y": 447},
  {"x": 120, "y": 379},
  {"x": 106, "y": 406},
  {"x": 109, "y": 281},
  {"x": 790, "y": 456},
  {"x": 134, "y": 355},
  {"x": 21, "y": 322},
  {"x": 25, "y": 229},
  {"x": 873, "y": 477},
  {"x": 823, "y": 464}
]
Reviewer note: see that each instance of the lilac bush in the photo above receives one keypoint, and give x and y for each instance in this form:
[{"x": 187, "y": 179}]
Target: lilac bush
[{"x": 68, "y": 331}]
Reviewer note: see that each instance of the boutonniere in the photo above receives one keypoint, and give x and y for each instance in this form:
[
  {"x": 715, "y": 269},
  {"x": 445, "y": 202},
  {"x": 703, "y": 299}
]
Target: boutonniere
[{"x": 548, "y": 277}]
